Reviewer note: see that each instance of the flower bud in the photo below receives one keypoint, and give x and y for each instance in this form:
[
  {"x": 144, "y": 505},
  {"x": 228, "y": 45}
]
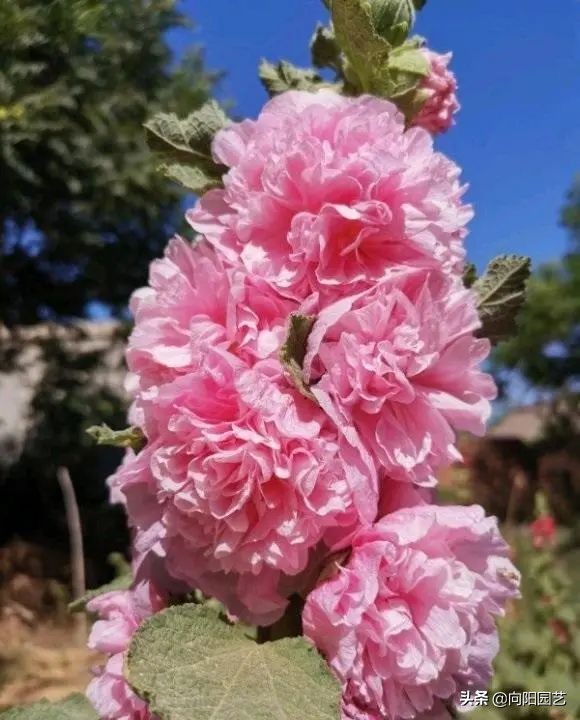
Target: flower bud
[{"x": 392, "y": 19}]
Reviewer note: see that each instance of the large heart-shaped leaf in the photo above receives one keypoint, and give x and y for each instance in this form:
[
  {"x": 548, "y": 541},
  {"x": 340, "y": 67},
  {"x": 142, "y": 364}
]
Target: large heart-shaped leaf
[{"x": 187, "y": 663}]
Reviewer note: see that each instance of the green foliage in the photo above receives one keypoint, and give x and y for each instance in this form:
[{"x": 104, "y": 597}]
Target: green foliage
[
  {"x": 325, "y": 50},
  {"x": 293, "y": 351},
  {"x": 501, "y": 292},
  {"x": 375, "y": 61},
  {"x": 546, "y": 348},
  {"x": 131, "y": 437},
  {"x": 83, "y": 211},
  {"x": 185, "y": 145},
  {"x": 392, "y": 19},
  {"x": 469, "y": 275},
  {"x": 367, "y": 46},
  {"x": 75, "y": 707},
  {"x": 366, "y": 52},
  {"x": 551, "y": 316},
  {"x": 539, "y": 638},
  {"x": 280, "y": 77},
  {"x": 187, "y": 663}
]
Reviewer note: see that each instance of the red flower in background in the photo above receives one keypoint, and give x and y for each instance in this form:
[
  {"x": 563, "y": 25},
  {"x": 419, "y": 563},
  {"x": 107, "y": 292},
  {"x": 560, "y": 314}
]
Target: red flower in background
[
  {"x": 560, "y": 630},
  {"x": 543, "y": 531}
]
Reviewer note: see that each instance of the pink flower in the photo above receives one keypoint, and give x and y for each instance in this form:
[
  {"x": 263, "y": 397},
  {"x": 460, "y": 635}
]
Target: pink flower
[
  {"x": 242, "y": 476},
  {"x": 397, "y": 367},
  {"x": 440, "y": 87},
  {"x": 192, "y": 302},
  {"x": 121, "y": 615},
  {"x": 409, "y": 621},
  {"x": 543, "y": 531},
  {"x": 325, "y": 193}
]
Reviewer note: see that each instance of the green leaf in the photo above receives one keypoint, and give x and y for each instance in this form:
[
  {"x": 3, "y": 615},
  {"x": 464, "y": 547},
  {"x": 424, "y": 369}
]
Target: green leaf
[
  {"x": 501, "y": 293},
  {"x": 408, "y": 59},
  {"x": 187, "y": 663},
  {"x": 405, "y": 69},
  {"x": 131, "y": 437},
  {"x": 469, "y": 275},
  {"x": 324, "y": 49},
  {"x": 193, "y": 179},
  {"x": 293, "y": 351},
  {"x": 75, "y": 707},
  {"x": 123, "y": 582},
  {"x": 366, "y": 51},
  {"x": 284, "y": 76},
  {"x": 188, "y": 143},
  {"x": 392, "y": 19}
]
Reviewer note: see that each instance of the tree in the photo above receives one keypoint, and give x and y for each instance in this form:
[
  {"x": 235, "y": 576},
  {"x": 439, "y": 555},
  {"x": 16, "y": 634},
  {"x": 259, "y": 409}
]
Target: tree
[
  {"x": 546, "y": 349},
  {"x": 83, "y": 210}
]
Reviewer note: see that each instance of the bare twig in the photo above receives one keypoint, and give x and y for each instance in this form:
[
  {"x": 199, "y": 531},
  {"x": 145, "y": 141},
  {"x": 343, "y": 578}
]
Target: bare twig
[{"x": 73, "y": 520}]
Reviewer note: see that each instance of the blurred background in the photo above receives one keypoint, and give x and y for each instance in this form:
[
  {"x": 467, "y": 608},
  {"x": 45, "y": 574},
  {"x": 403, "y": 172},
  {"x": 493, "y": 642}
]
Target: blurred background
[{"x": 83, "y": 212}]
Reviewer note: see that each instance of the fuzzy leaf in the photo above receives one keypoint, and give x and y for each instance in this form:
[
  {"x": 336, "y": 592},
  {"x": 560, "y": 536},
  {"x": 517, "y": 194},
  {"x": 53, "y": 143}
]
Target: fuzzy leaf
[
  {"x": 469, "y": 275},
  {"x": 284, "y": 76},
  {"x": 501, "y": 293},
  {"x": 392, "y": 19},
  {"x": 131, "y": 437},
  {"x": 187, "y": 663},
  {"x": 406, "y": 67},
  {"x": 74, "y": 707},
  {"x": 408, "y": 59},
  {"x": 293, "y": 352},
  {"x": 192, "y": 178},
  {"x": 188, "y": 142},
  {"x": 366, "y": 51},
  {"x": 324, "y": 49},
  {"x": 123, "y": 582}
]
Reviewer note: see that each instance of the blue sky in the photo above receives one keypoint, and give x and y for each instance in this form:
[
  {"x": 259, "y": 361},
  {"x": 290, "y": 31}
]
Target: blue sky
[{"x": 518, "y": 65}]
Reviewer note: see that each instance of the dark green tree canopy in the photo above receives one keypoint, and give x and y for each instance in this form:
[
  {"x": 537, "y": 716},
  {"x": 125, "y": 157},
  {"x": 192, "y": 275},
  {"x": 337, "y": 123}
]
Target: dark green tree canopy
[
  {"x": 546, "y": 348},
  {"x": 82, "y": 208}
]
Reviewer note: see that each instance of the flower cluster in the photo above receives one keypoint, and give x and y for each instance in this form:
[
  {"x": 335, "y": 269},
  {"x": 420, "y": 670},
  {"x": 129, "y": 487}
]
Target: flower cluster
[
  {"x": 120, "y": 613},
  {"x": 407, "y": 624},
  {"x": 332, "y": 211}
]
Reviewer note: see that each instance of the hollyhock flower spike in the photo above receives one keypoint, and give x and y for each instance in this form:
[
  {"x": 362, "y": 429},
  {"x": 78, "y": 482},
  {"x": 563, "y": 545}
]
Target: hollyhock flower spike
[
  {"x": 297, "y": 375},
  {"x": 121, "y": 613},
  {"x": 241, "y": 475},
  {"x": 439, "y": 87},
  {"x": 408, "y": 622},
  {"x": 326, "y": 193}
]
